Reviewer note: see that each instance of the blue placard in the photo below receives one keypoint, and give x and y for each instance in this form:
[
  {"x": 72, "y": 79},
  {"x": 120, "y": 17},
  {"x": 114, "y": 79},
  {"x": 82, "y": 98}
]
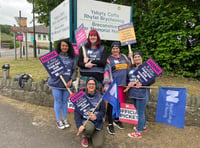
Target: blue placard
[
  {"x": 171, "y": 106},
  {"x": 147, "y": 72},
  {"x": 81, "y": 102},
  {"x": 53, "y": 64}
]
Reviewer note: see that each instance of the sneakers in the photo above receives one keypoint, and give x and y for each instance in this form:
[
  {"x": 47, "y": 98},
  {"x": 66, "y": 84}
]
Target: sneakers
[
  {"x": 111, "y": 129},
  {"x": 84, "y": 141},
  {"x": 118, "y": 124},
  {"x": 144, "y": 128},
  {"x": 135, "y": 135},
  {"x": 65, "y": 123},
  {"x": 60, "y": 124}
]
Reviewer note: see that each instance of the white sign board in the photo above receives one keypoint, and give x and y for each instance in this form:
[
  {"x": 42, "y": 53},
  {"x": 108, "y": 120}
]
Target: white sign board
[
  {"x": 60, "y": 21},
  {"x": 104, "y": 17}
]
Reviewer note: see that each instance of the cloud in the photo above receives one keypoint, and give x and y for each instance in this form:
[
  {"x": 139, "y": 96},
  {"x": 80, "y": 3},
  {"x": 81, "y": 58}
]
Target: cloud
[{"x": 9, "y": 9}]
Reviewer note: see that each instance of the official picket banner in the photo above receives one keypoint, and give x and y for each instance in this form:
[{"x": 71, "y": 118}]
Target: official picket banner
[
  {"x": 171, "y": 106},
  {"x": 53, "y": 64},
  {"x": 128, "y": 113},
  {"x": 60, "y": 21},
  {"x": 81, "y": 102},
  {"x": 127, "y": 34},
  {"x": 147, "y": 72},
  {"x": 102, "y": 16},
  {"x": 81, "y": 37}
]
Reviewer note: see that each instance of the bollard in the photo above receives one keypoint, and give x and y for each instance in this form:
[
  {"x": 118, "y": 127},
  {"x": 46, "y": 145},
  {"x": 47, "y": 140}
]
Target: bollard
[{"x": 6, "y": 71}]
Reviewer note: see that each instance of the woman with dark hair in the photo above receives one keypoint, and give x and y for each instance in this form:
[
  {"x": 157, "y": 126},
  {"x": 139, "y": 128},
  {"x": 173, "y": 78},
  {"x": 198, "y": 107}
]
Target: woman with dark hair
[
  {"x": 94, "y": 64},
  {"x": 93, "y": 129},
  {"x": 59, "y": 91}
]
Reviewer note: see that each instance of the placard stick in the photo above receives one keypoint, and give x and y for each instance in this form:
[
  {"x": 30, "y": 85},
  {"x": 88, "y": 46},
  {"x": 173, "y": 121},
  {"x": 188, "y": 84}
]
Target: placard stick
[
  {"x": 63, "y": 80},
  {"x": 84, "y": 54},
  {"x": 129, "y": 49},
  {"x": 127, "y": 88},
  {"x": 89, "y": 116}
]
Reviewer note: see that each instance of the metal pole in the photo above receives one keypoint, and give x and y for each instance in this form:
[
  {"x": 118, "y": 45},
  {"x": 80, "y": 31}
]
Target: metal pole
[
  {"x": 34, "y": 41},
  {"x": 20, "y": 33},
  {"x": 26, "y": 46}
]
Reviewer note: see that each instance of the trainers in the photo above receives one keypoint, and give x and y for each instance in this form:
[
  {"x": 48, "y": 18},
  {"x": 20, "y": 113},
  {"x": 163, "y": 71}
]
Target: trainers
[
  {"x": 66, "y": 124},
  {"x": 84, "y": 141},
  {"x": 118, "y": 124},
  {"x": 60, "y": 124},
  {"x": 135, "y": 135},
  {"x": 111, "y": 129},
  {"x": 144, "y": 129}
]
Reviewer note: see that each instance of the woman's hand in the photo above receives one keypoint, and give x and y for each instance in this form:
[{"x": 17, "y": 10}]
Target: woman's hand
[
  {"x": 85, "y": 60},
  {"x": 89, "y": 64},
  {"x": 92, "y": 116},
  {"x": 81, "y": 128},
  {"x": 131, "y": 84},
  {"x": 138, "y": 85},
  {"x": 69, "y": 83}
]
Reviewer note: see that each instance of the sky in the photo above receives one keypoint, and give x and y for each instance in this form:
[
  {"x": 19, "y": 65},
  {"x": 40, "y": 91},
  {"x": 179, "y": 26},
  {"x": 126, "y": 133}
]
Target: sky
[{"x": 9, "y": 9}]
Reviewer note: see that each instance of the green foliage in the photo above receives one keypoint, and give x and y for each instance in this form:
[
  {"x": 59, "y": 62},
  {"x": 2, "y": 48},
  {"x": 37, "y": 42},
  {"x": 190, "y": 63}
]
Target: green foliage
[{"x": 163, "y": 29}]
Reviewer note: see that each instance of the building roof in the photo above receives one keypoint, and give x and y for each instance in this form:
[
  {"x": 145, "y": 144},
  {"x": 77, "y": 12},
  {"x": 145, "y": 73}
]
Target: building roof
[{"x": 39, "y": 29}]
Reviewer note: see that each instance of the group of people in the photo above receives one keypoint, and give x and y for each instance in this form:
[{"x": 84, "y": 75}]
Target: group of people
[{"x": 97, "y": 72}]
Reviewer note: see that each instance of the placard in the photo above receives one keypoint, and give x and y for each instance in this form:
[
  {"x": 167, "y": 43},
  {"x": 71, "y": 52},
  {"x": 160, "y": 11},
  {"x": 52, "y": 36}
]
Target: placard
[
  {"x": 81, "y": 102},
  {"x": 19, "y": 37},
  {"x": 147, "y": 72},
  {"x": 53, "y": 64},
  {"x": 127, "y": 34},
  {"x": 81, "y": 37},
  {"x": 76, "y": 50}
]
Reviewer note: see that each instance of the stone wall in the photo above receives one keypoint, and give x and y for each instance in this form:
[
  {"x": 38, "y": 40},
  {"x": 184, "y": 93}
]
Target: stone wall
[{"x": 40, "y": 94}]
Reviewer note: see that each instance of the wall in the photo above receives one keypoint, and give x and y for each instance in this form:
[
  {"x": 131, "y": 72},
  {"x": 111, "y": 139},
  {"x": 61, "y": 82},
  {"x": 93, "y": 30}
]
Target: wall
[{"x": 40, "y": 94}]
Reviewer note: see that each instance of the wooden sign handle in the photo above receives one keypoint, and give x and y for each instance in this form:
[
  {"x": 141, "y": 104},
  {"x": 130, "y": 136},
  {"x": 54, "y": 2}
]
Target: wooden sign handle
[
  {"x": 129, "y": 49},
  {"x": 63, "y": 80}
]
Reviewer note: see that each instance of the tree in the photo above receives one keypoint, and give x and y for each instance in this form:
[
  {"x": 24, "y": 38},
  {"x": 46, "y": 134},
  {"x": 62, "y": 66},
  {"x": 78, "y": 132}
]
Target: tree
[{"x": 42, "y": 9}]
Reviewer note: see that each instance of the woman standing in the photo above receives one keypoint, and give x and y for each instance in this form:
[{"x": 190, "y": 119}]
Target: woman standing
[
  {"x": 94, "y": 126},
  {"x": 117, "y": 66},
  {"x": 94, "y": 64},
  {"x": 140, "y": 96},
  {"x": 59, "y": 91}
]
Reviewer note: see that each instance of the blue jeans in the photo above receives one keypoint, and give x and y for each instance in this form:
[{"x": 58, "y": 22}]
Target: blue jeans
[
  {"x": 60, "y": 102},
  {"x": 140, "y": 105}
]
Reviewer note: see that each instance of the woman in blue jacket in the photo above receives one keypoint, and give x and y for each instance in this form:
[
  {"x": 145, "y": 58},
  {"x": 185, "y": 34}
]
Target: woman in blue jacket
[
  {"x": 140, "y": 96},
  {"x": 59, "y": 91},
  {"x": 94, "y": 126}
]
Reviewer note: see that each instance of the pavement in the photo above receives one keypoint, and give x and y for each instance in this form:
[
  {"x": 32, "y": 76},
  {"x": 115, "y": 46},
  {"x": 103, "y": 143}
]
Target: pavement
[{"x": 25, "y": 125}]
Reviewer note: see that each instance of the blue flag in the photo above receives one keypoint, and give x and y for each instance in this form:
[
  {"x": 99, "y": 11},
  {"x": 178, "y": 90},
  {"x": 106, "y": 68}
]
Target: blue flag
[
  {"x": 171, "y": 106},
  {"x": 111, "y": 95}
]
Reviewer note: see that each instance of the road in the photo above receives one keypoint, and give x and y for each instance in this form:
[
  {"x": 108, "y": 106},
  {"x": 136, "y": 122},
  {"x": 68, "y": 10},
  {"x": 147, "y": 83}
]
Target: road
[
  {"x": 24, "y": 125},
  {"x": 5, "y": 52}
]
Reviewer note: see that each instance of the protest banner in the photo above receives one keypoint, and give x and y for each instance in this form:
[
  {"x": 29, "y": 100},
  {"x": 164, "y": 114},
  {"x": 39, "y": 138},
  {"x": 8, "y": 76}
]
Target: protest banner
[
  {"x": 171, "y": 106},
  {"x": 127, "y": 36},
  {"x": 81, "y": 38},
  {"x": 128, "y": 113},
  {"x": 54, "y": 66},
  {"x": 147, "y": 72}
]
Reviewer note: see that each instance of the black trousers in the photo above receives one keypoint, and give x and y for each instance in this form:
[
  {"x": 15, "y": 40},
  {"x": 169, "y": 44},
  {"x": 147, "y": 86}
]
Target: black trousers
[{"x": 109, "y": 114}]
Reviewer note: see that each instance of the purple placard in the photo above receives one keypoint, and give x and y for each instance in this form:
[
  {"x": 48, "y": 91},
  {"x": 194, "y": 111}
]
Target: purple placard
[
  {"x": 20, "y": 37},
  {"x": 81, "y": 37},
  {"x": 53, "y": 64},
  {"x": 81, "y": 102},
  {"x": 147, "y": 72}
]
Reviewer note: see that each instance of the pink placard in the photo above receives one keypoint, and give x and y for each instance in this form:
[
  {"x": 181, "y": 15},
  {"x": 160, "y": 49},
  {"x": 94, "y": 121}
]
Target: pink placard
[
  {"x": 76, "y": 50},
  {"x": 81, "y": 37},
  {"x": 20, "y": 37}
]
